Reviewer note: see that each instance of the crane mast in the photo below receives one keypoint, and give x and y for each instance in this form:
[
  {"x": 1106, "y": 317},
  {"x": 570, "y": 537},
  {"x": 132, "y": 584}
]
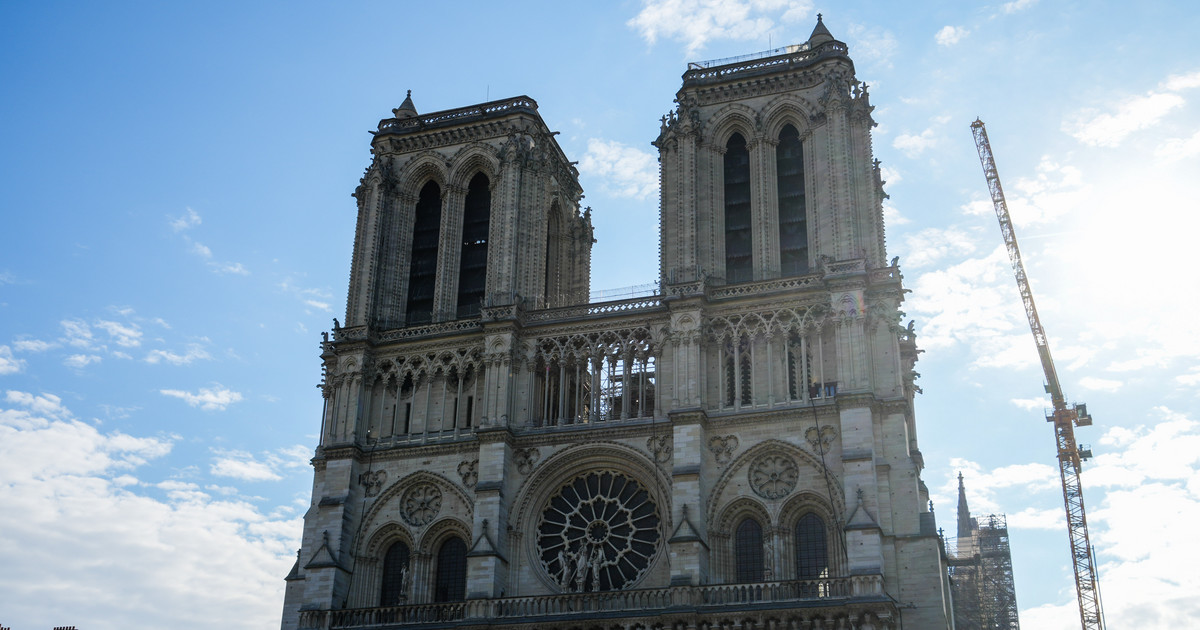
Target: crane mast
[{"x": 1063, "y": 417}]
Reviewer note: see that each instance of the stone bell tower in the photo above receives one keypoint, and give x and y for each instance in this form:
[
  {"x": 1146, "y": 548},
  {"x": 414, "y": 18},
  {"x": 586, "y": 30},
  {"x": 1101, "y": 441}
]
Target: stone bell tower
[
  {"x": 736, "y": 450},
  {"x": 469, "y": 207}
]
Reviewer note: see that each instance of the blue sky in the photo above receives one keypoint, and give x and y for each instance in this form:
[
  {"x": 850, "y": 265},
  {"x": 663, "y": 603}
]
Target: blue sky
[{"x": 177, "y": 225}]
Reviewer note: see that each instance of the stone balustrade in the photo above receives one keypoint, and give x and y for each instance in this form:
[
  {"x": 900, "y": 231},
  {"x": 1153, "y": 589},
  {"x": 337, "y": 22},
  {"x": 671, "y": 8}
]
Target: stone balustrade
[{"x": 826, "y": 592}]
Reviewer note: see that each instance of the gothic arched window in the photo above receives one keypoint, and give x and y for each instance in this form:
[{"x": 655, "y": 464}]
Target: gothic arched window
[
  {"x": 739, "y": 264},
  {"x": 748, "y": 551},
  {"x": 812, "y": 552},
  {"x": 472, "y": 268},
  {"x": 793, "y": 228},
  {"x": 422, "y": 272},
  {"x": 450, "y": 581},
  {"x": 739, "y": 373},
  {"x": 553, "y": 256},
  {"x": 395, "y": 575}
]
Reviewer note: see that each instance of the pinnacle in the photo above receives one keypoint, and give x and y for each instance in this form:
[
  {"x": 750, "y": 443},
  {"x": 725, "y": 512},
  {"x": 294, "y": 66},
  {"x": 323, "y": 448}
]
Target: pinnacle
[
  {"x": 406, "y": 109},
  {"x": 820, "y": 34}
]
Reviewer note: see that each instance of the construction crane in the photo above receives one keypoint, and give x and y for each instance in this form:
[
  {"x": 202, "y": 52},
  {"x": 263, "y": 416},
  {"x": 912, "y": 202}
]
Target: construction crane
[{"x": 1064, "y": 416}]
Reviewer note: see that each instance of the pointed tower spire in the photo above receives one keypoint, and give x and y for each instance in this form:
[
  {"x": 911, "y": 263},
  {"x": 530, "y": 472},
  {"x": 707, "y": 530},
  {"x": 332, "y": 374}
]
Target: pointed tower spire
[
  {"x": 964, "y": 512},
  {"x": 406, "y": 109},
  {"x": 820, "y": 34}
]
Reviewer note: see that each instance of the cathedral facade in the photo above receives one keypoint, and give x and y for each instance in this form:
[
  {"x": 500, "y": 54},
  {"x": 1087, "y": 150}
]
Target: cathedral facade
[{"x": 737, "y": 450}]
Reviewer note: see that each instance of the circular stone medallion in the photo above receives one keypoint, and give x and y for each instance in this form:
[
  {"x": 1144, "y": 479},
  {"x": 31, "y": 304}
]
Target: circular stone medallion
[
  {"x": 420, "y": 504},
  {"x": 773, "y": 476}
]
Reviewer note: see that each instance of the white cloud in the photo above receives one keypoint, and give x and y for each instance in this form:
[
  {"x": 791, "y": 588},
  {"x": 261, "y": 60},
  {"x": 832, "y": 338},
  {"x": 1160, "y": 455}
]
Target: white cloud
[
  {"x": 1017, "y": 5},
  {"x": 82, "y": 533},
  {"x": 1175, "y": 149},
  {"x": 33, "y": 345},
  {"x": 215, "y": 398},
  {"x": 1103, "y": 129},
  {"x": 985, "y": 487},
  {"x": 1032, "y": 404},
  {"x": 931, "y": 245},
  {"x": 1055, "y": 190},
  {"x": 42, "y": 405},
  {"x": 1189, "y": 379},
  {"x": 1139, "y": 489},
  {"x": 890, "y": 175},
  {"x": 872, "y": 44},
  {"x": 624, "y": 171},
  {"x": 201, "y": 250},
  {"x": 950, "y": 35},
  {"x": 126, "y": 336},
  {"x": 697, "y": 22},
  {"x": 1179, "y": 82},
  {"x": 233, "y": 268},
  {"x": 242, "y": 465},
  {"x": 1034, "y": 518},
  {"x": 8, "y": 363},
  {"x": 1097, "y": 129},
  {"x": 186, "y": 221},
  {"x": 1100, "y": 384},
  {"x": 973, "y": 302},
  {"x": 913, "y": 145},
  {"x": 80, "y": 361},
  {"x": 78, "y": 333},
  {"x": 194, "y": 352},
  {"x": 315, "y": 298},
  {"x": 247, "y": 467},
  {"x": 892, "y": 216}
]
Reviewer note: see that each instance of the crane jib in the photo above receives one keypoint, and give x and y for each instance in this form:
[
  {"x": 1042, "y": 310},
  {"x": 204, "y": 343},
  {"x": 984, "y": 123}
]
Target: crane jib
[{"x": 1064, "y": 417}]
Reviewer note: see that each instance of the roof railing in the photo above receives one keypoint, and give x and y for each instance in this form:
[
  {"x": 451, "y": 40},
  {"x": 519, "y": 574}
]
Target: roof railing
[
  {"x": 461, "y": 114},
  {"x": 774, "y": 52}
]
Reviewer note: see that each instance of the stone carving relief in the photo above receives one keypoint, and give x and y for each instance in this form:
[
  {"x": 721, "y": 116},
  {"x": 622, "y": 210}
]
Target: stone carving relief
[
  {"x": 773, "y": 476},
  {"x": 469, "y": 471},
  {"x": 373, "y": 481},
  {"x": 420, "y": 504},
  {"x": 722, "y": 447},
  {"x": 525, "y": 459},
  {"x": 820, "y": 440},
  {"x": 660, "y": 447}
]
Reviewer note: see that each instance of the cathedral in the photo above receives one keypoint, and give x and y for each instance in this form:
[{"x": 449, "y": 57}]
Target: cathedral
[{"x": 737, "y": 450}]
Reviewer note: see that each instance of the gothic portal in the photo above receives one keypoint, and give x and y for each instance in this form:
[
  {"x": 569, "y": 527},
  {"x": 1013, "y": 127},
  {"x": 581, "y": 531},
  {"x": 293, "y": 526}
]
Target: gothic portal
[{"x": 737, "y": 449}]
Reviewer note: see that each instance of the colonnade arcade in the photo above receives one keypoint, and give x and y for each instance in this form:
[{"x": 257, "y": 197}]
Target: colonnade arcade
[
  {"x": 593, "y": 377},
  {"x": 403, "y": 397},
  {"x": 779, "y": 356}
]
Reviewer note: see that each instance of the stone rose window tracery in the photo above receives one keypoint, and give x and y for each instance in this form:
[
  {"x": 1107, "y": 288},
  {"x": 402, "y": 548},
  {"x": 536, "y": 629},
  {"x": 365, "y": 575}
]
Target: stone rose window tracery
[
  {"x": 773, "y": 476},
  {"x": 599, "y": 533},
  {"x": 420, "y": 504}
]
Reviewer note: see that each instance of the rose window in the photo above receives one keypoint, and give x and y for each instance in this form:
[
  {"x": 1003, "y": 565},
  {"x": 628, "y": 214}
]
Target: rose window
[
  {"x": 773, "y": 476},
  {"x": 598, "y": 533}
]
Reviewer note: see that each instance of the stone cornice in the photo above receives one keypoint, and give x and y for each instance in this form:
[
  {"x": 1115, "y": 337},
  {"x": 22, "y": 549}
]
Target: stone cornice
[{"x": 753, "y": 87}]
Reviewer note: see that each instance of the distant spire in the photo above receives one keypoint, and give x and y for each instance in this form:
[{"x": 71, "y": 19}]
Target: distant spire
[
  {"x": 964, "y": 512},
  {"x": 406, "y": 109},
  {"x": 820, "y": 34}
]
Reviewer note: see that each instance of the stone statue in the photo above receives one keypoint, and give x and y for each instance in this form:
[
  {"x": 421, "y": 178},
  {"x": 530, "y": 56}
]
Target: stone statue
[
  {"x": 597, "y": 561},
  {"x": 581, "y": 568},
  {"x": 564, "y": 560}
]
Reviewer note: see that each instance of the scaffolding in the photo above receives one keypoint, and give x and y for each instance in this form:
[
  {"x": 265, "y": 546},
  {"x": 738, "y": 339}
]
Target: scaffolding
[{"x": 981, "y": 576}]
